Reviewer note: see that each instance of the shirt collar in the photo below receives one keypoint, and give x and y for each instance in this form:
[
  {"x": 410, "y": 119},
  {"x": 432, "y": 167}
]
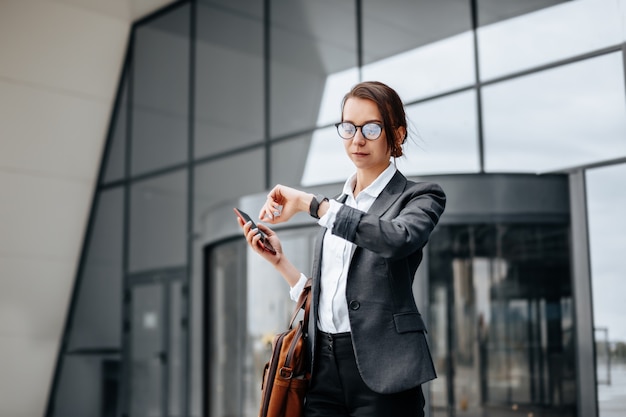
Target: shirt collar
[{"x": 376, "y": 187}]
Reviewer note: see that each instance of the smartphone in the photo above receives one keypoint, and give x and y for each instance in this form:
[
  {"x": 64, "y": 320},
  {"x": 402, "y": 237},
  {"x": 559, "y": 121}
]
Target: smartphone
[{"x": 264, "y": 240}]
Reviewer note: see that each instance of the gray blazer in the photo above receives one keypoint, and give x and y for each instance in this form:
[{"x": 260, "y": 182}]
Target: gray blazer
[{"x": 388, "y": 332}]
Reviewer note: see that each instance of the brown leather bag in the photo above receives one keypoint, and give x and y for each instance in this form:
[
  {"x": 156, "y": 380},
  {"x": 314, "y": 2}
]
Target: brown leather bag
[{"x": 286, "y": 375}]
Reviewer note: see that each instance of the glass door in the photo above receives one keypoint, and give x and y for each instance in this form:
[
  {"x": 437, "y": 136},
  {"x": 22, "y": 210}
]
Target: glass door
[
  {"x": 156, "y": 344},
  {"x": 501, "y": 321}
]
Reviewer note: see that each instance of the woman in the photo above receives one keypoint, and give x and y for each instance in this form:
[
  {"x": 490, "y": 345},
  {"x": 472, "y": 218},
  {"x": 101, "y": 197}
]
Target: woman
[{"x": 367, "y": 344}]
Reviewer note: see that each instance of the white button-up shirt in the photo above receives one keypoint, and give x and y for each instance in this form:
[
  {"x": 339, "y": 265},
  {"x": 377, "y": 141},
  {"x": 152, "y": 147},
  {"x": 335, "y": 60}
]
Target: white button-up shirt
[{"x": 337, "y": 254}]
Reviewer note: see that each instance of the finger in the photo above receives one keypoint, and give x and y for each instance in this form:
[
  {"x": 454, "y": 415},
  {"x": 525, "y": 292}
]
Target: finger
[
  {"x": 276, "y": 209},
  {"x": 256, "y": 241},
  {"x": 268, "y": 232},
  {"x": 266, "y": 213},
  {"x": 245, "y": 226}
]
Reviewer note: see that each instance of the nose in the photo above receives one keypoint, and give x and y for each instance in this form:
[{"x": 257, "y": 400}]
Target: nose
[{"x": 358, "y": 136}]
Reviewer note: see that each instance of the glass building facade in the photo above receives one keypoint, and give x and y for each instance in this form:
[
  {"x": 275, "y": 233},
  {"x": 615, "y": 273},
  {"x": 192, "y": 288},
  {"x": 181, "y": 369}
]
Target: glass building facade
[{"x": 517, "y": 108}]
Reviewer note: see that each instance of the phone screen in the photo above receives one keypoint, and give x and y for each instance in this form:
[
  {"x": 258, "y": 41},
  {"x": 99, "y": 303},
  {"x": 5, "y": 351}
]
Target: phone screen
[{"x": 264, "y": 240}]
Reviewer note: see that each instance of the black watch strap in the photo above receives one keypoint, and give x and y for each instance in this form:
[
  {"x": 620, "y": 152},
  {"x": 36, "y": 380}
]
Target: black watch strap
[{"x": 315, "y": 205}]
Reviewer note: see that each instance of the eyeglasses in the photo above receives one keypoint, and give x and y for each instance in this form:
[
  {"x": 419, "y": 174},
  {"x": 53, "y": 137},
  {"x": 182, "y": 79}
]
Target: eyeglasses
[{"x": 369, "y": 131}]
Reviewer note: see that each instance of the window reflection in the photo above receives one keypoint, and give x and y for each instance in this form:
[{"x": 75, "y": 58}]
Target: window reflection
[
  {"x": 428, "y": 70},
  {"x": 549, "y": 35},
  {"x": 229, "y": 106},
  {"x": 160, "y": 90},
  {"x": 418, "y": 48},
  {"x": 327, "y": 161},
  {"x": 442, "y": 136},
  {"x": 310, "y": 40},
  {"x": 501, "y": 319},
  {"x": 606, "y": 199},
  {"x": 564, "y": 117},
  {"x": 158, "y": 222}
]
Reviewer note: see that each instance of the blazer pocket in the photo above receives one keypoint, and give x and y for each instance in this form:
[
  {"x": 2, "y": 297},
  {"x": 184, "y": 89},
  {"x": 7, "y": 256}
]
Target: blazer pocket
[{"x": 409, "y": 322}]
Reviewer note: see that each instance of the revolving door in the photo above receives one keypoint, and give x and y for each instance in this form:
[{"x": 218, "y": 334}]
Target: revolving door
[{"x": 501, "y": 320}]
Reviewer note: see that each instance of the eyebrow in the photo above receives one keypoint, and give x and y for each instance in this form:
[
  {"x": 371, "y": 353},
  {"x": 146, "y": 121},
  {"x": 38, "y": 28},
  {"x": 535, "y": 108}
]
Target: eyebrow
[{"x": 364, "y": 123}]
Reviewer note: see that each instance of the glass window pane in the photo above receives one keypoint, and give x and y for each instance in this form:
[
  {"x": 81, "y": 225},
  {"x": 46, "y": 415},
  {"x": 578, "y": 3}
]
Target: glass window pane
[
  {"x": 442, "y": 136},
  {"x": 229, "y": 89},
  {"x": 288, "y": 160},
  {"x": 606, "y": 199},
  {"x": 161, "y": 92},
  {"x": 88, "y": 386},
  {"x": 496, "y": 11},
  {"x": 326, "y": 161},
  {"x": 227, "y": 179},
  {"x": 116, "y": 158},
  {"x": 547, "y": 35},
  {"x": 253, "y": 8},
  {"x": 564, "y": 117},
  {"x": 313, "y": 48},
  {"x": 96, "y": 319},
  {"x": 158, "y": 222},
  {"x": 418, "y": 48}
]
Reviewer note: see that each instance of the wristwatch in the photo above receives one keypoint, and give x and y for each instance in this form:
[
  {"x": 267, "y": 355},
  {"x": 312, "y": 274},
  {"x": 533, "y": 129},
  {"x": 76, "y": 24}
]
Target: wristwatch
[{"x": 315, "y": 205}]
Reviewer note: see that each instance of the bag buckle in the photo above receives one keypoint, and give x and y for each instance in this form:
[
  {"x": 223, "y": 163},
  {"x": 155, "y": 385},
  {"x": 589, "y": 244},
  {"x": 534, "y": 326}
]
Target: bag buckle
[{"x": 286, "y": 373}]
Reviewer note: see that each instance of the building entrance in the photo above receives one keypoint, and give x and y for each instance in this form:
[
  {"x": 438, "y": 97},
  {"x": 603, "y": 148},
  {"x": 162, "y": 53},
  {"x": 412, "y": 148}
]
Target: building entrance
[
  {"x": 501, "y": 320},
  {"x": 495, "y": 285}
]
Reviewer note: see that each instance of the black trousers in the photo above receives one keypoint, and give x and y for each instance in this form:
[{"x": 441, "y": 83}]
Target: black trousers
[{"x": 337, "y": 388}]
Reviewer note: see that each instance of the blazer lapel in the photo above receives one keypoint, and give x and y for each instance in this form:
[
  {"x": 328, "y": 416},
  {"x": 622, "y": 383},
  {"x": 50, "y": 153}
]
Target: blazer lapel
[{"x": 390, "y": 193}]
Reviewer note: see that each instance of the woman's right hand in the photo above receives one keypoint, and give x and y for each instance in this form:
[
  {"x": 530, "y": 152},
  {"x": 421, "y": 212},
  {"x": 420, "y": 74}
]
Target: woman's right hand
[{"x": 253, "y": 237}]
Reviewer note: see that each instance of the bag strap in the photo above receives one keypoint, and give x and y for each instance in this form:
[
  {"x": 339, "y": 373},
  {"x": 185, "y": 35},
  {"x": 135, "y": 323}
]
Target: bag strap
[{"x": 304, "y": 302}]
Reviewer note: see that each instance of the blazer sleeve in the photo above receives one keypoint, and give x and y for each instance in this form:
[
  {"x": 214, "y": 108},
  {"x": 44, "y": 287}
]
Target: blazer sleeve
[{"x": 404, "y": 228}]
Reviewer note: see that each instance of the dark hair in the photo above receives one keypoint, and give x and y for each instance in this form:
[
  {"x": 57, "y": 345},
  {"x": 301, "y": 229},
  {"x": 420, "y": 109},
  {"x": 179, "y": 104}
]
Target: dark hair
[{"x": 390, "y": 107}]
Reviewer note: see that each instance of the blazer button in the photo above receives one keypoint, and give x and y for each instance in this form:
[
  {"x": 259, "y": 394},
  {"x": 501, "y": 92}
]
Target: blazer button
[{"x": 354, "y": 305}]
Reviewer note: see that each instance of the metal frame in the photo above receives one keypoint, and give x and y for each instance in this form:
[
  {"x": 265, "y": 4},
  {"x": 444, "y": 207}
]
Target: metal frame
[{"x": 586, "y": 385}]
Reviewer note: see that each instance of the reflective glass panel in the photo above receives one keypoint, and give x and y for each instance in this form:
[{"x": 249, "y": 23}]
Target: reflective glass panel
[
  {"x": 501, "y": 320},
  {"x": 97, "y": 316},
  {"x": 326, "y": 161},
  {"x": 116, "y": 157},
  {"x": 229, "y": 91},
  {"x": 419, "y": 48},
  {"x": 161, "y": 92},
  {"x": 606, "y": 199},
  {"x": 548, "y": 35},
  {"x": 88, "y": 385},
  {"x": 555, "y": 119},
  {"x": 226, "y": 179},
  {"x": 289, "y": 159},
  {"x": 442, "y": 136},
  {"x": 158, "y": 222},
  {"x": 313, "y": 56},
  {"x": 490, "y": 11}
]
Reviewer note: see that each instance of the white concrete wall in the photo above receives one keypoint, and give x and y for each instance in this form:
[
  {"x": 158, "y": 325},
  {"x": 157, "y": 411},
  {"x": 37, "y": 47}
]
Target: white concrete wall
[{"x": 60, "y": 62}]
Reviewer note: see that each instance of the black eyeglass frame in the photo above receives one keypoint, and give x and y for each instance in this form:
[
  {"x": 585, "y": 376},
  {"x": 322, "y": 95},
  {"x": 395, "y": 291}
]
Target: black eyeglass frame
[{"x": 356, "y": 128}]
